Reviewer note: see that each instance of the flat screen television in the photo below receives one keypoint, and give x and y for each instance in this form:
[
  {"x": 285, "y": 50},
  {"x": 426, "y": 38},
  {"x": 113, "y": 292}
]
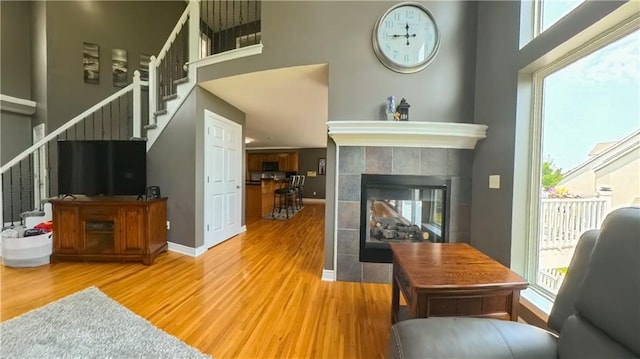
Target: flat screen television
[{"x": 108, "y": 167}]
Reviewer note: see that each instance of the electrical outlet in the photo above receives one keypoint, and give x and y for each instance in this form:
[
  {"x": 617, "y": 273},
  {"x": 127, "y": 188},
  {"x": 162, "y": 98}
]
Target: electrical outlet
[
  {"x": 168, "y": 225},
  {"x": 314, "y": 193}
]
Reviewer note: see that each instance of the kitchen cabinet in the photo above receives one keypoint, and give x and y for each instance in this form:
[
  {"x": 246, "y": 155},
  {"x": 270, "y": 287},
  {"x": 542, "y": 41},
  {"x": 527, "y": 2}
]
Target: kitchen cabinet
[
  {"x": 287, "y": 161},
  {"x": 254, "y": 162}
]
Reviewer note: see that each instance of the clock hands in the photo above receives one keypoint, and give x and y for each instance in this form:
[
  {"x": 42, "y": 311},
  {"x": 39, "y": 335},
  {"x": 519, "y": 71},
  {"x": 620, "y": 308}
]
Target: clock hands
[{"x": 407, "y": 35}]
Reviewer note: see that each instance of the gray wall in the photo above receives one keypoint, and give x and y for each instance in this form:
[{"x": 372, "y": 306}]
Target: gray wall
[
  {"x": 39, "y": 79},
  {"x": 15, "y": 80},
  {"x": 136, "y": 26},
  {"x": 15, "y": 57},
  {"x": 308, "y": 161},
  {"x": 15, "y": 75},
  {"x": 171, "y": 165},
  {"x": 175, "y": 163},
  {"x": 358, "y": 82},
  {"x": 499, "y": 61},
  {"x": 15, "y": 135},
  {"x": 207, "y": 101}
]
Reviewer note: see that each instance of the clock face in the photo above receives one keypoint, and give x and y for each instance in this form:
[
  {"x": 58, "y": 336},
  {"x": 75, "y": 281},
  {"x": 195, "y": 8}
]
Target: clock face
[{"x": 405, "y": 38}]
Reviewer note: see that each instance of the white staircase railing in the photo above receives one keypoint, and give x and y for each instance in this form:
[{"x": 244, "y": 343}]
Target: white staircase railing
[
  {"x": 171, "y": 74},
  {"x": 18, "y": 191},
  {"x": 167, "y": 69}
]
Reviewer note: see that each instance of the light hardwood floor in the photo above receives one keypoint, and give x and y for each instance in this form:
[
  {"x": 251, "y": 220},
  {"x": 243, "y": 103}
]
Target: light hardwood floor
[{"x": 258, "y": 295}]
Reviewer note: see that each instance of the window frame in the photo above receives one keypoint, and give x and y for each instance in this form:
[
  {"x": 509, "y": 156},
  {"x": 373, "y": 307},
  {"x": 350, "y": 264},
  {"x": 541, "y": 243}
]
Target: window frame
[
  {"x": 538, "y": 13},
  {"x": 531, "y": 13},
  {"x": 597, "y": 42}
]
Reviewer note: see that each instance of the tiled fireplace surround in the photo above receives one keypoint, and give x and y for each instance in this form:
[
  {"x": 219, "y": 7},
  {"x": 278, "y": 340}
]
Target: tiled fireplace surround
[{"x": 356, "y": 160}]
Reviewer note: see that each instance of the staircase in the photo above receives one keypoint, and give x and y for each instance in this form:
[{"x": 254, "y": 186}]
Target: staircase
[{"x": 142, "y": 109}]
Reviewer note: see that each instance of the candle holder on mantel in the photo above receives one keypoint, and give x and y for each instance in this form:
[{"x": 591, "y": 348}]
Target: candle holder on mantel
[{"x": 403, "y": 110}]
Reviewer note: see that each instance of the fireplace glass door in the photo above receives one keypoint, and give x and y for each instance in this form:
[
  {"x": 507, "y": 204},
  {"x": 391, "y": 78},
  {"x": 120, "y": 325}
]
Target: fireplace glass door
[{"x": 401, "y": 209}]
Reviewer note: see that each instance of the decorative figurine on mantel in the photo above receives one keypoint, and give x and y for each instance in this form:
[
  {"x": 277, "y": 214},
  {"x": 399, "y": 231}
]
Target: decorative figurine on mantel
[
  {"x": 403, "y": 110},
  {"x": 391, "y": 108}
]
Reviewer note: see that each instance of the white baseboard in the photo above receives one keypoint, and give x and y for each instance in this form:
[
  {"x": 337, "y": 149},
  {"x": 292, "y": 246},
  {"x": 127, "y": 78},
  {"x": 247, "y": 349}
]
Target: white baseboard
[
  {"x": 243, "y": 229},
  {"x": 189, "y": 251},
  {"x": 313, "y": 200},
  {"x": 328, "y": 275}
]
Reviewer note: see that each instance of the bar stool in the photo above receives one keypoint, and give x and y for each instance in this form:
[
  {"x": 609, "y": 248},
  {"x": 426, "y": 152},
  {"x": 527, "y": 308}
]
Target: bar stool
[
  {"x": 293, "y": 202},
  {"x": 300, "y": 190},
  {"x": 284, "y": 198}
]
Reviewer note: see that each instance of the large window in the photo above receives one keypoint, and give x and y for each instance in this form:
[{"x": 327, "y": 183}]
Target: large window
[{"x": 588, "y": 157}]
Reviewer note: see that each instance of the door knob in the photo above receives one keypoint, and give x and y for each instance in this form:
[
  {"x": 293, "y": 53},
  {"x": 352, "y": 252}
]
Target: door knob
[{"x": 238, "y": 186}]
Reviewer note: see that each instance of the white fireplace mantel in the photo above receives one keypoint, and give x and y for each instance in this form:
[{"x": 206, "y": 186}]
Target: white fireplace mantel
[{"x": 406, "y": 134}]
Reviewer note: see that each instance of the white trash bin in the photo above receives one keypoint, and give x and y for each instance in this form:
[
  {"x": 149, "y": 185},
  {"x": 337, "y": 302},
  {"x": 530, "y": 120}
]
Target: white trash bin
[{"x": 27, "y": 251}]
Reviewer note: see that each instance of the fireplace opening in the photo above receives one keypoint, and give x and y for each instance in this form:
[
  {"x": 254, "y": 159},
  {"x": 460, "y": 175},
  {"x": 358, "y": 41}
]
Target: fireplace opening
[{"x": 401, "y": 208}]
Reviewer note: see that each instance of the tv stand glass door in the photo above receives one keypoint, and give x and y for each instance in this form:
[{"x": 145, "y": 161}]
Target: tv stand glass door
[{"x": 99, "y": 236}]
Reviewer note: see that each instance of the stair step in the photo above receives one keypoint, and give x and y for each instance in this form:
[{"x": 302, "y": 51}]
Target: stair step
[
  {"x": 181, "y": 81},
  {"x": 150, "y": 127},
  {"x": 173, "y": 96},
  {"x": 160, "y": 113}
]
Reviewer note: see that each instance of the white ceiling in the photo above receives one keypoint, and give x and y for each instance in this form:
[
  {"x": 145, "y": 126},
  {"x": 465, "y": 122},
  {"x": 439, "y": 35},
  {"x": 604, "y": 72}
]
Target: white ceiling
[{"x": 285, "y": 108}]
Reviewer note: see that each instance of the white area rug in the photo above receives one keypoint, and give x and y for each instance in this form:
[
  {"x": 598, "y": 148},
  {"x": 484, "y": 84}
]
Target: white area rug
[{"x": 88, "y": 324}]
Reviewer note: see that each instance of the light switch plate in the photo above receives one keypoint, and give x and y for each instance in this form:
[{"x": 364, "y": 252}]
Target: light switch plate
[{"x": 494, "y": 181}]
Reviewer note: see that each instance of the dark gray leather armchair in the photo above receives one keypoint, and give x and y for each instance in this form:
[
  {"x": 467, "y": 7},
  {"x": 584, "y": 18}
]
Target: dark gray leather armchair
[{"x": 596, "y": 313}]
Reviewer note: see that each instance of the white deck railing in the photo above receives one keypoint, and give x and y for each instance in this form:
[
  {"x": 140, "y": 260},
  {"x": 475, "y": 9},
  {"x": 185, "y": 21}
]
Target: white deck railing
[
  {"x": 550, "y": 279},
  {"x": 563, "y": 220}
]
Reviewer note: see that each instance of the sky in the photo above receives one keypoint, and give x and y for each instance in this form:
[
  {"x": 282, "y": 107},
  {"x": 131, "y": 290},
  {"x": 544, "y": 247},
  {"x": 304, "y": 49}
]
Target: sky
[{"x": 596, "y": 99}]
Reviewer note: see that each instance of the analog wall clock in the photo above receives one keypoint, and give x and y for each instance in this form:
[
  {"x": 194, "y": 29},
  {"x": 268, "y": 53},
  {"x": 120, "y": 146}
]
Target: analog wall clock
[{"x": 405, "y": 37}]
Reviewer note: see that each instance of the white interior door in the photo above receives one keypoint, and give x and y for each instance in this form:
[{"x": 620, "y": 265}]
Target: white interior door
[{"x": 223, "y": 178}]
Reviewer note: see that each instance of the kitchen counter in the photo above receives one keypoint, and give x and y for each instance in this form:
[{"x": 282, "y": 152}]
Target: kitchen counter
[{"x": 259, "y": 196}]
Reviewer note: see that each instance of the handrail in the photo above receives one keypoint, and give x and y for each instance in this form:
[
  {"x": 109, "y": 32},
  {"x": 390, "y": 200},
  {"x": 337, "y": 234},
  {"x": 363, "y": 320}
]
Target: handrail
[
  {"x": 226, "y": 56},
  {"x": 63, "y": 128},
  {"x": 174, "y": 33}
]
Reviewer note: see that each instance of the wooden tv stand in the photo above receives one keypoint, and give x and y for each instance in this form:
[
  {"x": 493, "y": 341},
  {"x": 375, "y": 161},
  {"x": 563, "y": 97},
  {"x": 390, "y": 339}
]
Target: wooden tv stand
[{"x": 109, "y": 229}]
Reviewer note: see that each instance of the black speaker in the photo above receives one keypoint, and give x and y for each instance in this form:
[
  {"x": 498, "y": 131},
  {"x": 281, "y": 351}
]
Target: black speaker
[{"x": 153, "y": 192}]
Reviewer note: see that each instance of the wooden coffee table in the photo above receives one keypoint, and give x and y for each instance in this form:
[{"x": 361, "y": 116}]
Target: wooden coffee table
[{"x": 452, "y": 279}]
